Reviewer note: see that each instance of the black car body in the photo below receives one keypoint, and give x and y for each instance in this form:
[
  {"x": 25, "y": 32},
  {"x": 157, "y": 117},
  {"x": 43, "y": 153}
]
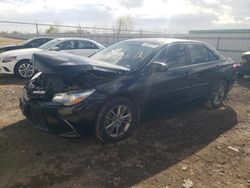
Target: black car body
[
  {"x": 244, "y": 68},
  {"x": 111, "y": 89},
  {"x": 31, "y": 43}
]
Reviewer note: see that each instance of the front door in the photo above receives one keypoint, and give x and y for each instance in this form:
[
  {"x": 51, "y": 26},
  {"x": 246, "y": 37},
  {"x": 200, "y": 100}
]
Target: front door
[{"x": 172, "y": 86}]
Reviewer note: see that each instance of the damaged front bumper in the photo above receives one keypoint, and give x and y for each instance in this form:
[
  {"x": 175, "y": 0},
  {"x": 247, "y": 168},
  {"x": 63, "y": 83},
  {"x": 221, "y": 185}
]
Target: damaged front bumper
[{"x": 73, "y": 121}]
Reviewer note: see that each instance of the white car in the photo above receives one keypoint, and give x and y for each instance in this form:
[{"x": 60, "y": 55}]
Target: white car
[{"x": 17, "y": 62}]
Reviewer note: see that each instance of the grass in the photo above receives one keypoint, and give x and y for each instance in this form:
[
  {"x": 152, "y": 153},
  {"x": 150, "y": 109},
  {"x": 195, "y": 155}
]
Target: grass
[{"x": 9, "y": 41}]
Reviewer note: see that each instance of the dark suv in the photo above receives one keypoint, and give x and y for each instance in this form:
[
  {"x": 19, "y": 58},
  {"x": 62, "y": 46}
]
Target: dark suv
[{"x": 110, "y": 90}]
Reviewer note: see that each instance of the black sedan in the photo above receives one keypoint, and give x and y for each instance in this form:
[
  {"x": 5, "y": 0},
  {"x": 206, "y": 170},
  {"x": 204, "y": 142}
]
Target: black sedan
[
  {"x": 31, "y": 43},
  {"x": 110, "y": 90}
]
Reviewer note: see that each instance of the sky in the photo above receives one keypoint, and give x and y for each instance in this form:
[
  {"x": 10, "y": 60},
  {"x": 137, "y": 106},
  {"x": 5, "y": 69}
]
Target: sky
[{"x": 173, "y": 16}]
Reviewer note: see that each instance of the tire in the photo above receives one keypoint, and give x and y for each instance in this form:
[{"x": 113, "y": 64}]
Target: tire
[
  {"x": 113, "y": 126},
  {"x": 24, "y": 69},
  {"x": 217, "y": 95}
]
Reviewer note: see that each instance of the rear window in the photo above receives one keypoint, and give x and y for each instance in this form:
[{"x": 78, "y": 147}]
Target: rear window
[
  {"x": 201, "y": 54},
  {"x": 85, "y": 45}
]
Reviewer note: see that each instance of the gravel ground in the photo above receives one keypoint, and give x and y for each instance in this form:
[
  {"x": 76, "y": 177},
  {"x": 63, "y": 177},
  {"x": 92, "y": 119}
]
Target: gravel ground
[{"x": 193, "y": 147}]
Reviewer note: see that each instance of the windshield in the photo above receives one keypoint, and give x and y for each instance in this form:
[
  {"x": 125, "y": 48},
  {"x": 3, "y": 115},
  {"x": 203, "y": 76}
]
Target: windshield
[
  {"x": 49, "y": 44},
  {"x": 129, "y": 54}
]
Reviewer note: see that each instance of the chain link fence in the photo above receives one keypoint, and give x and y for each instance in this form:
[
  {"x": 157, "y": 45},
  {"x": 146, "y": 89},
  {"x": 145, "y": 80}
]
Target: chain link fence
[{"x": 231, "y": 45}]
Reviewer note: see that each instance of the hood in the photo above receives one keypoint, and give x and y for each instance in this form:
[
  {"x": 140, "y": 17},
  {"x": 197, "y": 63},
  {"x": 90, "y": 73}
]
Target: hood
[
  {"x": 9, "y": 47},
  {"x": 71, "y": 65},
  {"x": 25, "y": 51}
]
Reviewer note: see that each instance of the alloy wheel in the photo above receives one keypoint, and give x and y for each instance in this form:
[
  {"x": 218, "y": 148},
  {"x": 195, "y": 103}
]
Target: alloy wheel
[
  {"x": 26, "y": 70},
  {"x": 118, "y": 120},
  {"x": 218, "y": 94}
]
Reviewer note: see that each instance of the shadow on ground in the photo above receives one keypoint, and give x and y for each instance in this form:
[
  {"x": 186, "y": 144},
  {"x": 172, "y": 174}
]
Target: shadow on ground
[
  {"x": 31, "y": 158},
  {"x": 6, "y": 79}
]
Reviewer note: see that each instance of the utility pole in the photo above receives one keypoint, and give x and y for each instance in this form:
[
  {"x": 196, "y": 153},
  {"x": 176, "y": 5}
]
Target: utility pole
[{"x": 37, "y": 33}]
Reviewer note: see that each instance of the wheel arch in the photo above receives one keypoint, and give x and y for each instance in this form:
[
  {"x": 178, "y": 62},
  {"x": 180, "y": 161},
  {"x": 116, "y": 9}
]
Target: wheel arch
[
  {"x": 19, "y": 62},
  {"x": 126, "y": 95},
  {"x": 224, "y": 79}
]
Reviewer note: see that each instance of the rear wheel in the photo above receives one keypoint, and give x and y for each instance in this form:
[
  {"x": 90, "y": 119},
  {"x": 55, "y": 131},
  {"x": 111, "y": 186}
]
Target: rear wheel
[
  {"x": 217, "y": 95},
  {"x": 116, "y": 120},
  {"x": 240, "y": 76},
  {"x": 24, "y": 69}
]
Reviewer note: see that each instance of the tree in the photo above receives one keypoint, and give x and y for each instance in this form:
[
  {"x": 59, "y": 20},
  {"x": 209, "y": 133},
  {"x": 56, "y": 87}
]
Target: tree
[
  {"x": 124, "y": 24},
  {"x": 52, "y": 29}
]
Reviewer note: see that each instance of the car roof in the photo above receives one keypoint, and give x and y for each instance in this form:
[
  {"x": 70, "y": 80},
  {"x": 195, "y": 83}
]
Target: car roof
[
  {"x": 77, "y": 38},
  {"x": 162, "y": 41},
  {"x": 42, "y": 38},
  {"x": 73, "y": 38}
]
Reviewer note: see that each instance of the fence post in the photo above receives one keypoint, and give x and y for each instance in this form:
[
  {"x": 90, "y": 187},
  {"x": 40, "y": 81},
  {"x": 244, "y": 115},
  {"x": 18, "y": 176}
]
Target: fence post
[
  {"x": 80, "y": 31},
  {"x": 218, "y": 43},
  {"x": 37, "y": 32}
]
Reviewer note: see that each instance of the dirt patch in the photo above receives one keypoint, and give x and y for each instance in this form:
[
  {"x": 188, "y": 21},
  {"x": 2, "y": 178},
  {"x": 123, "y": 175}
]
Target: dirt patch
[
  {"x": 169, "y": 151},
  {"x": 9, "y": 41}
]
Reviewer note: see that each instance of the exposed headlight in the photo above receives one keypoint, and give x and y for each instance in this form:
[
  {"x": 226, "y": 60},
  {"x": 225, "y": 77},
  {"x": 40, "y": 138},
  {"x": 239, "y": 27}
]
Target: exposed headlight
[
  {"x": 73, "y": 98},
  {"x": 8, "y": 59},
  {"x": 36, "y": 76}
]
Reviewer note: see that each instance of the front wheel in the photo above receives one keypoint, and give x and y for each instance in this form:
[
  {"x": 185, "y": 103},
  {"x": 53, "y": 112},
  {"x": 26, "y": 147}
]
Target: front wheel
[
  {"x": 24, "y": 69},
  {"x": 217, "y": 95},
  {"x": 116, "y": 120}
]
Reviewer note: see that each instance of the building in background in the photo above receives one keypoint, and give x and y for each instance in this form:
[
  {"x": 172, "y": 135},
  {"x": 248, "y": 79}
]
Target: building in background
[{"x": 231, "y": 42}]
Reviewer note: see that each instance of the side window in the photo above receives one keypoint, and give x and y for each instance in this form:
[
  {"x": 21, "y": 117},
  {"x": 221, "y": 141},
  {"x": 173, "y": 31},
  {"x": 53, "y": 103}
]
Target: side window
[
  {"x": 41, "y": 42},
  {"x": 213, "y": 56},
  {"x": 174, "y": 56},
  {"x": 86, "y": 45},
  {"x": 67, "y": 45},
  {"x": 34, "y": 43},
  {"x": 200, "y": 54}
]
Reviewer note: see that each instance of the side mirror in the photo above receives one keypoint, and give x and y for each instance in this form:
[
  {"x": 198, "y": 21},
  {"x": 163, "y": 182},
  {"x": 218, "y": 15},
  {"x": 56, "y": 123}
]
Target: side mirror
[
  {"x": 157, "y": 66},
  {"x": 55, "y": 48}
]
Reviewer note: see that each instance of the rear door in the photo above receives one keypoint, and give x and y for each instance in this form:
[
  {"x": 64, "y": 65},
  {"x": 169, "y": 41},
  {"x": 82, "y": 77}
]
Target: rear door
[
  {"x": 205, "y": 67},
  {"x": 68, "y": 46},
  {"x": 85, "y": 48}
]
